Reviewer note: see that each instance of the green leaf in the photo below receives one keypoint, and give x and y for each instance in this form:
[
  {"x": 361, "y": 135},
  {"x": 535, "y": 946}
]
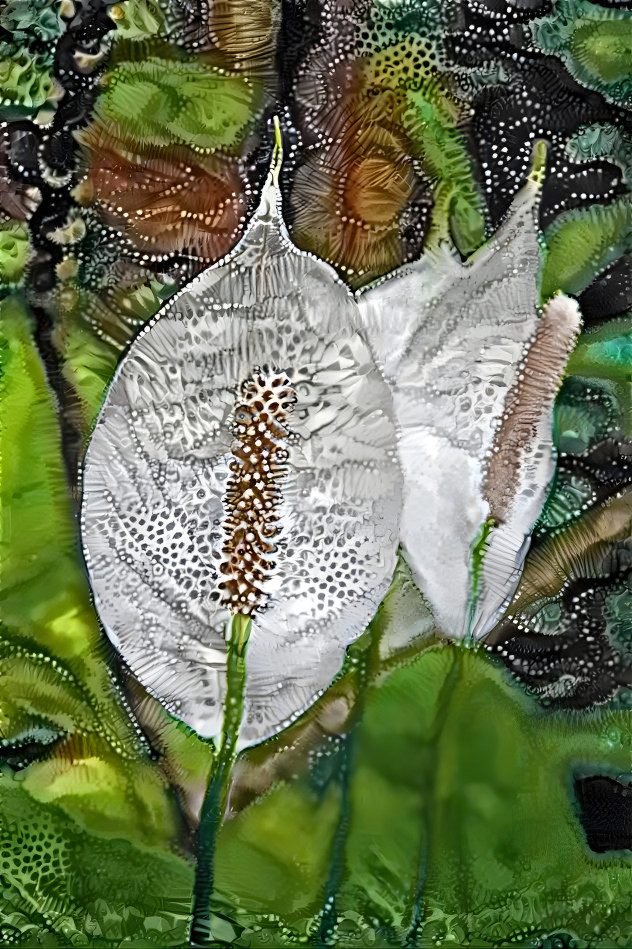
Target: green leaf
[
  {"x": 137, "y": 19},
  {"x": 37, "y": 21},
  {"x": 44, "y": 590},
  {"x": 604, "y": 354},
  {"x": 168, "y": 101},
  {"x": 14, "y": 250},
  {"x": 431, "y": 122},
  {"x": 94, "y": 329},
  {"x": 595, "y": 44},
  {"x": 26, "y": 82},
  {"x": 582, "y": 243},
  {"x": 461, "y": 822},
  {"x": 53, "y": 660},
  {"x": 65, "y": 887}
]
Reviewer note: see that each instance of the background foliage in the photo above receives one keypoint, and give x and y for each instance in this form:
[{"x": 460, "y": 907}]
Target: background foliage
[{"x": 428, "y": 797}]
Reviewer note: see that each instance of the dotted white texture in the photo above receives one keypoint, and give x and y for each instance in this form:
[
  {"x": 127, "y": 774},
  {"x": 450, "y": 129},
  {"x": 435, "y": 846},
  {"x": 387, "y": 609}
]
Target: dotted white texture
[{"x": 157, "y": 466}]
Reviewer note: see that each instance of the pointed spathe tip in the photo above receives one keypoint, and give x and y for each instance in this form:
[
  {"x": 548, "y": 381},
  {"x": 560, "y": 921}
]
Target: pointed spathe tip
[
  {"x": 277, "y": 154},
  {"x": 269, "y": 211},
  {"x": 538, "y": 164},
  {"x": 529, "y": 195}
]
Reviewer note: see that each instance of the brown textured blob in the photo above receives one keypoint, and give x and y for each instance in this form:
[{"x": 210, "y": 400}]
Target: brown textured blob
[
  {"x": 165, "y": 200},
  {"x": 583, "y": 550},
  {"x": 241, "y": 34},
  {"x": 253, "y": 493},
  {"x": 353, "y": 202},
  {"x": 528, "y": 402}
]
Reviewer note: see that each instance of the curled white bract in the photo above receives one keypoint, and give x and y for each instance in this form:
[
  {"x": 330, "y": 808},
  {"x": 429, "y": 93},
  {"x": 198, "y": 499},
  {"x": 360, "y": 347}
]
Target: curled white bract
[
  {"x": 474, "y": 368},
  {"x": 261, "y": 357}
]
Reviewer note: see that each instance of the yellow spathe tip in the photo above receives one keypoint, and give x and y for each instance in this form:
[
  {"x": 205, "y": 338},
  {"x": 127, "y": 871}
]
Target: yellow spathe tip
[
  {"x": 538, "y": 163},
  {"x": 277, "y": 155}
]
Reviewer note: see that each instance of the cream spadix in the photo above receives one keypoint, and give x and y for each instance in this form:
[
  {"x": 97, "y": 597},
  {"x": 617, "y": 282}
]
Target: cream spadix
[{"x": 245, "y": 460}]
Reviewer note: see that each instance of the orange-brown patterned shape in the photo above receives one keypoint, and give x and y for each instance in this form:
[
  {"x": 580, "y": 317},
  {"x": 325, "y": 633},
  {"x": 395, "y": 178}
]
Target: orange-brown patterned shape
[
  {"x": 165, "y": 200},
  {"x": 360, "y": 202},
  {"x": 240, "y": 34}
]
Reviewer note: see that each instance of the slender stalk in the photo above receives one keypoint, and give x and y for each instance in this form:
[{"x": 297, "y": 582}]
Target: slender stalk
[
  {"x": 216, "y": 796},
  {"x": 327, "y": 929},
  {"x": 326, "y": 935},
  {"x": 415, "y": 930}
]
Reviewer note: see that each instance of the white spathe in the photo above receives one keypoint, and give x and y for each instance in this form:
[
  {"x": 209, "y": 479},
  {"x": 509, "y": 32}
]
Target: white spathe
[
  {"x": 157, "y": 468},
  {"x": 452, "y": 339}
]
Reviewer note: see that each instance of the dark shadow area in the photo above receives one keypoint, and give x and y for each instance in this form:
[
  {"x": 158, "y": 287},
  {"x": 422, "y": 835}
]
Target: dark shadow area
[{"x": 605, "y": 806}]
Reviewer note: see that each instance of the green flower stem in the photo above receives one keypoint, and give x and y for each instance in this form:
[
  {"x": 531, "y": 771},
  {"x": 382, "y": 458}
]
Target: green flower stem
[
  {"x": 216, "y": 796},
  {"x": 451, "y": 683},
  {"x": 326, "y": 935}
]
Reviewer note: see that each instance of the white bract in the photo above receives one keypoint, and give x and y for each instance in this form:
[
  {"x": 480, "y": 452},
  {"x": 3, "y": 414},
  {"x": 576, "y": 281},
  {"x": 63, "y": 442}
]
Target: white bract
[
  {"x": 474, "y": 369},
  {"x": 245, "y": 460}
]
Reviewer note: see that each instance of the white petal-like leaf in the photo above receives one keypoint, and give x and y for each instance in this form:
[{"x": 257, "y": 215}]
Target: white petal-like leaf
[
  {"x": 268, "y": 334},
  {"x": 451, "y": 339}
]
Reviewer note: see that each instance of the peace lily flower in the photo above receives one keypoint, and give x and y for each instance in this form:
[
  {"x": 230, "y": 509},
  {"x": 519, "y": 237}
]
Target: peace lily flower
[
  {"x": 474, "y": 367},
  {"x": 244, "y": 464},
  {"x": 244, "y": 461},
  {"x": 244, "y": 476}
]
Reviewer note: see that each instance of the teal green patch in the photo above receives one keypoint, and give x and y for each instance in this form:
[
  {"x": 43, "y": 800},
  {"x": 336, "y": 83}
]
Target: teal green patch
[
  {"x": 570, "y": 494},
  {"x": 394, "y": 22},
  {"x": 586, "y": 412},
  {"x": 605, "y": 354},
  {"x": 618, "y": 613},
  {"x": 603, "y": 141},
  {"x": 32, "y": 28},
  {"x": 594, "y": 42},
  {"x": 35, "y": 22}
]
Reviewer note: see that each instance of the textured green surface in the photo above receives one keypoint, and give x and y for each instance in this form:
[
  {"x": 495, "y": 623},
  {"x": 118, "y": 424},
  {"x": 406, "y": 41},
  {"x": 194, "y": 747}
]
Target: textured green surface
[
  {"x": 424, "y": 800},
  {"x": 14, "y": 248},
  {"x": 457, "y": 781},
  {"x": 594, "y": 42},
  {"x": 165, "y": 101},
  {"x": 93, "y": 333},
  {"x": 137, "y": 19},
  {"x": 581, "y": 244},
  {"x": 57, "y": 684},
  {"x": 431, "y": 121},
  {"x": 456, "y": 778},
  {"x": 65, "y": 887},
  {"x": 26, "y": 56}
]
